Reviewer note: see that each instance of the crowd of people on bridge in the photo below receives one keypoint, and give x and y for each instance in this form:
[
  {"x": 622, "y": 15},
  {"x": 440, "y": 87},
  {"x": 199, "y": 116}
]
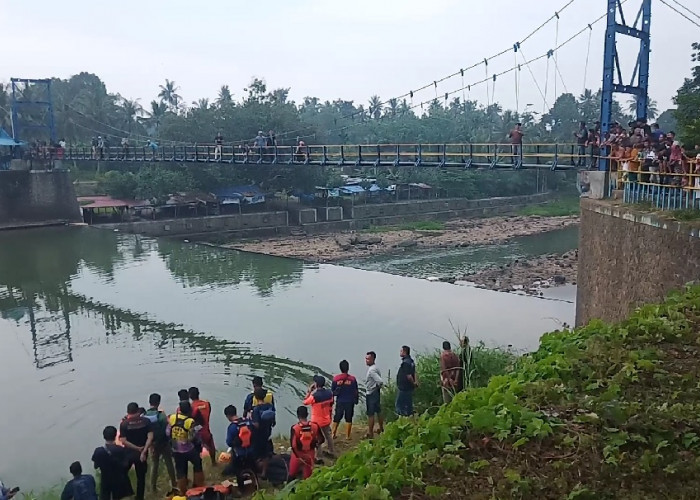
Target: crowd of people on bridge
[
  {"x": 183, "y": 438},
  {"x": 647, "y": 154}
]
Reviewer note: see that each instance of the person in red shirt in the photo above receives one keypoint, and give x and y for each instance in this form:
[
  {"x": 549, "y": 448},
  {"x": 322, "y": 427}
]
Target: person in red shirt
[
  {"x": 321, "y": 401},
  {"x": 201, "y": 413},
  {"x": 450, "y": 372},
  {"x": 304, "y": 438},
  {"x": 344, "y": 388}
]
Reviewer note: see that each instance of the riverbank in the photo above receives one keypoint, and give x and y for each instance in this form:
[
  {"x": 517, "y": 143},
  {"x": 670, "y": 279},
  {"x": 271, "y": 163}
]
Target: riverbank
[
  {"x": 397, "y": 239},
  {"x": 603, "y": 411},
  {"x": 528, "y": 276}
]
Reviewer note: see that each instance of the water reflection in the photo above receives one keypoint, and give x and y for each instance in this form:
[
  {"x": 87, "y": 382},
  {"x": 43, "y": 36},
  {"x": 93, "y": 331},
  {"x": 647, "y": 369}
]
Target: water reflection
[
  {"x": 197, "y": 266},
  {"x": 37, "y": 268}
]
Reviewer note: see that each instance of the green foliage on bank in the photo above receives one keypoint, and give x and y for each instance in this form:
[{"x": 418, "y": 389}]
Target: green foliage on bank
[
  {"x": 156, "y": 181},
  {"x": 484, "y": 363},
  {"x": 603, "y": 411},
  {"x": 556, "y": 208}
]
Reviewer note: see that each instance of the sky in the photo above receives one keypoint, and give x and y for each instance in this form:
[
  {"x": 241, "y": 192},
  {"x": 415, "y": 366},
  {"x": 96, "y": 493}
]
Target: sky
[{"x": 333, "y": 48}]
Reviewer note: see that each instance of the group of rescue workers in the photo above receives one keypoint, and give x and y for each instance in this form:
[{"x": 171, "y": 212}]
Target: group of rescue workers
[{"x": 180, "y": 439}]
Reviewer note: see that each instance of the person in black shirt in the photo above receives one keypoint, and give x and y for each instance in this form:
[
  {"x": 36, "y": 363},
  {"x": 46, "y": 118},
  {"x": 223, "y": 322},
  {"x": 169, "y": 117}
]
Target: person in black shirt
[
  {"x": 113, "y": 464},
  {"x": 137, "y": 436},
  {"x": 405, "y": 383},
  {"x": 582, "y": 140}
]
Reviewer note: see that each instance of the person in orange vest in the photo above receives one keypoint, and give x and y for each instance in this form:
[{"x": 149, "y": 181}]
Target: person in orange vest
[
  {"x": 304, "y": 438},
  {"x": 201, "y": 412},
  {"x": 239, "y": 439},
  {"x": 321, "y": 401}
]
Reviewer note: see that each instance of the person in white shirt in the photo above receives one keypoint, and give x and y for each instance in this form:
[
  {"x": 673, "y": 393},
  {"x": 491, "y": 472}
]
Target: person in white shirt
[{"x": 373, "y": 386}]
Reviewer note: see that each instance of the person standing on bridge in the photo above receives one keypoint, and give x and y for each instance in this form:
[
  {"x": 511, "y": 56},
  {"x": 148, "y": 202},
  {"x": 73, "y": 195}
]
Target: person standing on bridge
[
  {"x": 582, "y": 140},
  {"x": 219, "y": 142},
  {"x": 516, "y": 141}
]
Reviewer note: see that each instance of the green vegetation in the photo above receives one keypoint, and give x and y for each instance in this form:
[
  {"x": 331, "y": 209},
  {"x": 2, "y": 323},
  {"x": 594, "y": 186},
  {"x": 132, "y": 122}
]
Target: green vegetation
[
  {"x": 556, "y": 208},
  {"x": 603, "y": 411},
  {"x": 686, "y": 215},
  {"x": 485, "y": 362},
  {"x": 688, "y": 105}
]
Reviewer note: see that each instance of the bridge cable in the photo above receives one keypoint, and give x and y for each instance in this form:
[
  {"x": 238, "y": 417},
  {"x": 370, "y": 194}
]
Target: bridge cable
[
  {"x": 527, "y": 63},
  {"x": 680, "y": 13},
  {"x": 459, "y": 72},
  {"x": 588, "y": 55},
  {"x": 517, "y": 85},
  {"x": 556, "y": 42},
  {"x": 695, "y": 14},
  {"x": 546, "y": 85}
]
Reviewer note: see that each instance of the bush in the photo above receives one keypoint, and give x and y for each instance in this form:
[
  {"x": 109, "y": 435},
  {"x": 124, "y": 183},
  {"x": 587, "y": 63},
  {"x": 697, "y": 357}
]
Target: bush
[{"x": 485, "y": 363}]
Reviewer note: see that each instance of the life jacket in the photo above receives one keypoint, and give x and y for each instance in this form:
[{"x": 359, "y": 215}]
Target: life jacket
[
  {"x": 304, "y": 437},
  {"x": 268, "y": 399},
  {"x": 245, "y": 433},
  {"x": 201, "y": 411},
  {"x": 181, "y": 428}
]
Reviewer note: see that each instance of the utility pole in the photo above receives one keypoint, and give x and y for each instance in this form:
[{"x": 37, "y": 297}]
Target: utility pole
[{"x": 613, "y": 82}]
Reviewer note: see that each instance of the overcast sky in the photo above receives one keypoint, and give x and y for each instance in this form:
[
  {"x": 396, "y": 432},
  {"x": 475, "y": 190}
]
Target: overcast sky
[{"x": 327, "y": 48}]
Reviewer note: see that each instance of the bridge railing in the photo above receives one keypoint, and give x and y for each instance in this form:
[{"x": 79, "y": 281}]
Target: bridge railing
[
  {"x": 467, "y": 155},
  {"x": 662, "y": 190}
]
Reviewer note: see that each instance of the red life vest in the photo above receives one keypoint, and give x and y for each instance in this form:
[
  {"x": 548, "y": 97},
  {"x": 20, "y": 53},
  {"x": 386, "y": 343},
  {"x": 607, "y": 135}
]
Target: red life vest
[{"x": 305, "y": 436}]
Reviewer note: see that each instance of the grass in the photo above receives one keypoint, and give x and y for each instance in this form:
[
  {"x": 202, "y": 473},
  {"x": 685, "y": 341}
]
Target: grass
[
  {"x": 686, "y": 215},
  {"x": 600, "y": 412},
  {"x": 427, "y": 225},
  {"x": 485, "y": 363},
  {"x": 557, "y": 208}
]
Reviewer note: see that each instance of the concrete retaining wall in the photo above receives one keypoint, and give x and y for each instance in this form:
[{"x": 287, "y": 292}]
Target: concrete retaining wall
[
  {"x": 200, "y": 225},
  {"x": 31, "y": 198},
  {"x": 627, "y": 257}
]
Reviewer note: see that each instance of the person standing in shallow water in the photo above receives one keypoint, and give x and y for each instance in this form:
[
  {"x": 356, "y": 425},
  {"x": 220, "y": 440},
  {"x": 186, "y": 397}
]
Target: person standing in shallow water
[{"x": 405, "y": 383}]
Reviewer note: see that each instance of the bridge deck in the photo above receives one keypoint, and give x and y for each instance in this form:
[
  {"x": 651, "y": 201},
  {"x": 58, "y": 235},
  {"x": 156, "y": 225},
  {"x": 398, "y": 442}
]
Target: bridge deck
[{"x": 545, "y": 156}]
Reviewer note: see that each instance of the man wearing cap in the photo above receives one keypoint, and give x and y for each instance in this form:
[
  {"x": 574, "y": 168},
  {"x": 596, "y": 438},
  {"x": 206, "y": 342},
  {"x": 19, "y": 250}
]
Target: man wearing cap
[{"x": 321, "y": 401}]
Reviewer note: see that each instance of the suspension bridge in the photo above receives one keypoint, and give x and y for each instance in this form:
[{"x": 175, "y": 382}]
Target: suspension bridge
[{"x": 478, "y": 156}]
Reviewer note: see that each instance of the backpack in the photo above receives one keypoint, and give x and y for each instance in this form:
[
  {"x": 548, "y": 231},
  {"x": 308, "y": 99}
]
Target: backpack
[
  {"x": 245, "y": 435},
  {"x": 278, "y": 469},
  {"x": 158, "y": 423},
  {"x": 269, "y": 417},
  {"x": 305, "y": 438}
]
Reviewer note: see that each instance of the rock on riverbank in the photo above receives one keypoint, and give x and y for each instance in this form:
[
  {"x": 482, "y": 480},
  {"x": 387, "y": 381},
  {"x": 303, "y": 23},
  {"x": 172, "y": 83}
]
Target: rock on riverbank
[
  {"x": 456, "y": 233},
  {"x": 530, "y": 275}
]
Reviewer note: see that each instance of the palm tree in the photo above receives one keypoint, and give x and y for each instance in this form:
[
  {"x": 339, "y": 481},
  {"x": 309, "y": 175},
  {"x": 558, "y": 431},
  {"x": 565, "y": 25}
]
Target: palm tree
[
  {"x": 202, "y": 104},
  {"x": 155, "y": 115},
  {"x": 168, "y": 94},
  {"x": 375, "y": 107},
  {"x": 652, "y": 107},
  {"x": 131, "y": 111},
  {"x": 225, "y": 97},
  {"x": 393, "y": 106}
]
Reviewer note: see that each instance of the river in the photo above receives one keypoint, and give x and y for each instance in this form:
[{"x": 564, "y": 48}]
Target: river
[{"x": 91, "y": 320}]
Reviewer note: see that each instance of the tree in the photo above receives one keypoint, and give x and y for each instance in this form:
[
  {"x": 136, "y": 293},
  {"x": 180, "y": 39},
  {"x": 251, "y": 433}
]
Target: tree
[
  {"x": 154, "y": 117},
  {"x": 375, "y": 107},
  {"x": 224, "y": 98},
  {"x": 688, "y": 104},
  {"x": 131, "y": 111},
  {"x": 652, "y": 108},
  {"x": 168, "y": 94}
]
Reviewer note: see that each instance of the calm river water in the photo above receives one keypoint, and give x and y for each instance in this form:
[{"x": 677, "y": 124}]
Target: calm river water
[{"x": 91, "y": 320}]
